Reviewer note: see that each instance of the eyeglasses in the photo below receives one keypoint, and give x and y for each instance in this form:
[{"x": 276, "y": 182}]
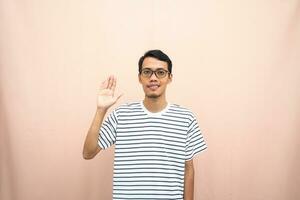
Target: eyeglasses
[{"x": 160, "y": 73}]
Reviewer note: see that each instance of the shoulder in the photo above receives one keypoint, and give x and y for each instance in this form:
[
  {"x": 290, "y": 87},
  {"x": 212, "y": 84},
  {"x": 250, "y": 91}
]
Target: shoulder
[
  {"x": 128, "y": 107},
  {"x": 178, "y": 109},
  {"x": 134, "y": 104}
]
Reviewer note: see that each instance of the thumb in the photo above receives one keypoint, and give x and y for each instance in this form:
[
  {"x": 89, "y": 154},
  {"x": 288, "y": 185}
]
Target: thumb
[{"x": 116, "y": 98}]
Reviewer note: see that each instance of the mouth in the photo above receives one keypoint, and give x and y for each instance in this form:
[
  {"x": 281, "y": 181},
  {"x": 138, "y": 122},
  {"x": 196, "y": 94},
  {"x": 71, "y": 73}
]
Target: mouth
[{"x": 153, "y": 86}]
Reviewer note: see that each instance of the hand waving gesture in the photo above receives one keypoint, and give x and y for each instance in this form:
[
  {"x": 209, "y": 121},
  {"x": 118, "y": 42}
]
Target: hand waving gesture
[{"x": 106, "y": 96}]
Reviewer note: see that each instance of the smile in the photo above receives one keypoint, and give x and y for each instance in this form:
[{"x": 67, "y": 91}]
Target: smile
[{"x": 153, "y": 86}]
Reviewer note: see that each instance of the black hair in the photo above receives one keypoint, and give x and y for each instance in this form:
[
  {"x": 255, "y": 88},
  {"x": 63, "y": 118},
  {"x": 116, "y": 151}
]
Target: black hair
[{"x": 158, "y": 54}]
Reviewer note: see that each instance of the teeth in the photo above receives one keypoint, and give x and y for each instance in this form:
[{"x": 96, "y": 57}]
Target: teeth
[{"x": 153, "y": 86}]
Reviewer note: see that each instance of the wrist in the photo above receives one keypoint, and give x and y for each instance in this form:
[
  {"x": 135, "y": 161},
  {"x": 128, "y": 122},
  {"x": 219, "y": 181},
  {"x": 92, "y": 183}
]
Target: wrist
[{"x": 101, "y": 109}]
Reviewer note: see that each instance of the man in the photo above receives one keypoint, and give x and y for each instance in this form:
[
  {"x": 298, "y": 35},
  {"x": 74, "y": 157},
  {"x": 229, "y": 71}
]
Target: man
[{"x": 155, "y": 141}]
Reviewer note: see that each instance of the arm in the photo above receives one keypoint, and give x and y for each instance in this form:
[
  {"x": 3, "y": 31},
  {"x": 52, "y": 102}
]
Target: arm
[
  {"x": 189, "y": 180},
  {"x": 106, "y": 98},
  {"x": 91, "y": 148}
]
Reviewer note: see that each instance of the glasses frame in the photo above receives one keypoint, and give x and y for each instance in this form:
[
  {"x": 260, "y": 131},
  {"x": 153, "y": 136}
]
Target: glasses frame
[{"x": 155, "y": 72}]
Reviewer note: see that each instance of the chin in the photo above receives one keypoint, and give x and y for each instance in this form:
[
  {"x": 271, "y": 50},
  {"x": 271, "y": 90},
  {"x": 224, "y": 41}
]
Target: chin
[{"x": 153, "y": 96}]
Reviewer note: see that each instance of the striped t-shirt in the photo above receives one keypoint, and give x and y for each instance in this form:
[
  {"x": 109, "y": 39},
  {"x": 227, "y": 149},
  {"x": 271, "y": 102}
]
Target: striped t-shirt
[{"x": 150, "y": 150}]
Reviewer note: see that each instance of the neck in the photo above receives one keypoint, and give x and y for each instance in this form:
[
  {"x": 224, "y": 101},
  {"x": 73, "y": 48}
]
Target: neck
[{"x": 155, "y": 104}]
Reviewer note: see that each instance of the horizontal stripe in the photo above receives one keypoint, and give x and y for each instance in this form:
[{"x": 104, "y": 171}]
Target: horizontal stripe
[{"x": 150, "y": 150}]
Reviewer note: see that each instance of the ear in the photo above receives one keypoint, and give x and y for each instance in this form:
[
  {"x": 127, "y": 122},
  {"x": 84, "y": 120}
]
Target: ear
[
  {"x": 170, "y": 78},
  {"x": 139, "y": 77}
]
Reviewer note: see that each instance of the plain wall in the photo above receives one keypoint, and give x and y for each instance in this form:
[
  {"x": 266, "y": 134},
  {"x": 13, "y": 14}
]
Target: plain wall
[{"x": 236, "y": 66}]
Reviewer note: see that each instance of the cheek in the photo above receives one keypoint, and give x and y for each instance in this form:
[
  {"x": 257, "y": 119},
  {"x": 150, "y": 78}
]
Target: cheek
[
  {"x": 142, "y": 82},
  {"x": 164, "y": 83}
]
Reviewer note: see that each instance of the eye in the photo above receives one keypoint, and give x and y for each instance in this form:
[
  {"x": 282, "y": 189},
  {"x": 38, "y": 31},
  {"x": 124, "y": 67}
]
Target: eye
[
  {"x": 146, "y": 72},
  {"x": 161, "y": 73}
]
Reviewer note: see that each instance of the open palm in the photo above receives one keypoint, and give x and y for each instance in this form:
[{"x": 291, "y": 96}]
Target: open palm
[{"x": 106, "y": 95}]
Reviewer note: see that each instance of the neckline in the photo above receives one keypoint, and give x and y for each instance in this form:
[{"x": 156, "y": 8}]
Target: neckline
[{"x": 154, "y": 113}]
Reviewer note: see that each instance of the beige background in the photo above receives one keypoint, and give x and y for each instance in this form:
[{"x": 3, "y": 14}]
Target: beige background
[{"x": 236, "y": 65}]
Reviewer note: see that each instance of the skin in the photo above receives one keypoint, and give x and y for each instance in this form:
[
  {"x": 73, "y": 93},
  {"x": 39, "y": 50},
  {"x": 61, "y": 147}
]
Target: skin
[
  {"x": 106, "y": 98},
  {"x": 189, "y": 180},
  {"x": 154, "y": 100}
]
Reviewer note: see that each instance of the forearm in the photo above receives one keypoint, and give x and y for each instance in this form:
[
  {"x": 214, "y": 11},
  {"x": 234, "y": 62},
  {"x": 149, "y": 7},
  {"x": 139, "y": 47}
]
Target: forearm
[
  {"x": 189, "y": 183},
  {"x": 91, "y": 141}
]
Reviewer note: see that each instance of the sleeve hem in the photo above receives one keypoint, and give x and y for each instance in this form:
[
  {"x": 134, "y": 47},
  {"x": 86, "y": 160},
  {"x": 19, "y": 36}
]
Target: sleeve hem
[{"x": 196, "y": 153}]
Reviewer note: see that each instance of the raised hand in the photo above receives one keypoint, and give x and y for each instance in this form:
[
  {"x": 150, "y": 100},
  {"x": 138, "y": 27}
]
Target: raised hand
[{"x": 106, "y": 95}]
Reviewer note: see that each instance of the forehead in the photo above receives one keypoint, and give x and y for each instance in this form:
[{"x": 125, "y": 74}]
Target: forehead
[{"x": 153, "y": 63}]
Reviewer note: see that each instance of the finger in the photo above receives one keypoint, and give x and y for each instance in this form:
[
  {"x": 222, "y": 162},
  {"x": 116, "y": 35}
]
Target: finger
[
  {"x": 114, "y": 83},
  {"x": 110, "y": 80},
  {"x": 104, "y": 84}
]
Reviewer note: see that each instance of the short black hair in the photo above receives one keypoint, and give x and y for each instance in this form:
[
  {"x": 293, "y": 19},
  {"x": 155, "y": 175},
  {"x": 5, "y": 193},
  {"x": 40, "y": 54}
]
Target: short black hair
[{"x": 158, "y": 54}]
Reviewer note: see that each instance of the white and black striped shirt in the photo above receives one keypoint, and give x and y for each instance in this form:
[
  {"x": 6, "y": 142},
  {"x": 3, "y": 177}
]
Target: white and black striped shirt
[{"x": 150, "y": 150}]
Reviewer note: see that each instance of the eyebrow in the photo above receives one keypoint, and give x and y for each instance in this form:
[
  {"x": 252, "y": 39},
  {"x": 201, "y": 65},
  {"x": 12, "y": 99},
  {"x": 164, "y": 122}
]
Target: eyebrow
[{"x": 154, "y": 68}]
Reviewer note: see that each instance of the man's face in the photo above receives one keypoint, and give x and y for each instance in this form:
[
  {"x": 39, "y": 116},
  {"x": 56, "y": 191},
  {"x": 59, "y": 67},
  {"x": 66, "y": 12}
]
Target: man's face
[{"x": 153, "y": 86}]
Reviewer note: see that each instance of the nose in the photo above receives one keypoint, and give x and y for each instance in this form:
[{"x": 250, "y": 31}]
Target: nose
[{"x": 153, "y": 77}]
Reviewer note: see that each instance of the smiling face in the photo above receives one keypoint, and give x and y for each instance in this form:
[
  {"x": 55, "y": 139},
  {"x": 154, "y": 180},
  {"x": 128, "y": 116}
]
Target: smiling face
[{"x": 153, "y": 86}]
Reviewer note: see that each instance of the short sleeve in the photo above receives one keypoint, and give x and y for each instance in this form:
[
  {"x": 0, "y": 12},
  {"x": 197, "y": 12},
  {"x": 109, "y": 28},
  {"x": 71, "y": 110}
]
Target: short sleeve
[
  {"x": 107, "y": 132},
  {"x": 195, "y": 142}
]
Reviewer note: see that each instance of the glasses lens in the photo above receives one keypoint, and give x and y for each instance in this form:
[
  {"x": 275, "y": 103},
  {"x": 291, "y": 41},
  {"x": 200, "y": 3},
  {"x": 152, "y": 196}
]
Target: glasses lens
[
  {"x": 161, "y": 73},
  {"x": 146, "y": 72}
]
